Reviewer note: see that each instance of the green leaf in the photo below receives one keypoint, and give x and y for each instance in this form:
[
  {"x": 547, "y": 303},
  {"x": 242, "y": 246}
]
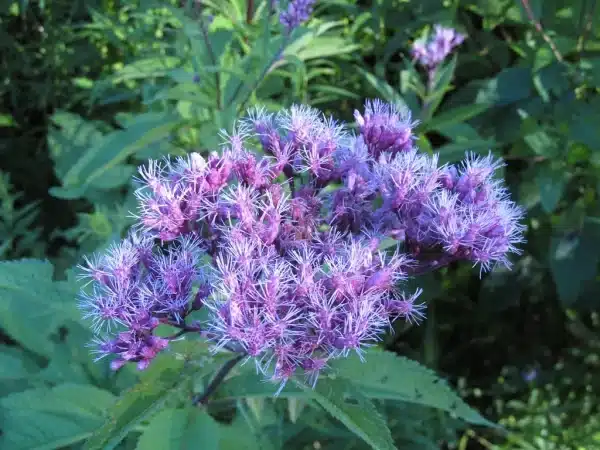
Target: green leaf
[
  {"x": 441, "y": 85},
  {"x": 573, "y": 261},
  {"x": 146, "y": 68},
  {"x": 456, "y": 150},
  {"x": 167, "y": 378},
  {"x": 45, "y": 418},
  {"x": 455, "y": 116},
  {"x": 240, "y": 435},
  {"x": 7, "y": 120},
  {"x": 32, "y": 306},
  {"x": 184, "y": 91},
  {"x": 551, "y": 184},
  {"x": 511, "y": 85},
  {"x": 180, "y": 429},
  {"x": 384, "y": 90},
  {"x": 116, "y": 147},
  {"x": 247, "y": 383},
  {"x": 325, "y": 47},
  {"x": 542, "y": 143},
  {"x": 344, "y": 402},
  {"x": 386, "y": 375},
  {"x": 115, "y": 177},
  {"x": 69, "y": 138},
  {"x": 14, "y": 364},
  {"x": 70, "y": 193}
]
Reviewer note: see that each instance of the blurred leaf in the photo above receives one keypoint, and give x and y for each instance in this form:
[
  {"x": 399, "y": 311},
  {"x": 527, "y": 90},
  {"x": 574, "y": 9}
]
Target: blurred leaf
[
  {"x": 50, "y": 418},
  {"x": 574, "y": 260},
  {"x": 146, "y": 68},
  {"x": 456, "y": 151},
  {"x": 441, "y": 84},
  {"x": 7, "y": 120},
  {"x": 115, "y": 177},
  {"x": 344, "y": 402},
  {"x": 14, "y": 364},
  {"x": 184, "y": 91},
  {"x": 324, "y": 47},
  {"x": 180, "y": 429},
  {"x": 511, "y": 85},
  {"x": 542, "y": 143},
  {"x": 384, "y": 90},
  {"x": 385, "y": 375},
  {"x": 584, "y": 124},
  {"x": 32, "y": 306},
  {"x": 552, "y": 185},
  {"x": 455, "y": 116},
  {"x": 70, "y": 136},
  {"x": 103, "y": 158}
]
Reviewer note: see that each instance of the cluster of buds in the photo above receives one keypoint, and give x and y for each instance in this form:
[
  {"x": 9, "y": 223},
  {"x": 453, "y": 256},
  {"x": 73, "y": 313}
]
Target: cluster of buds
[
  {"x": 430, "y": 53},
  {"x": 296, "y": 217}
]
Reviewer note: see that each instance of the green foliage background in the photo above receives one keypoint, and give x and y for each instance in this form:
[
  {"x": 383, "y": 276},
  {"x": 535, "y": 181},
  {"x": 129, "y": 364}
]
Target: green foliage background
[{"x": 91, "y": 89}]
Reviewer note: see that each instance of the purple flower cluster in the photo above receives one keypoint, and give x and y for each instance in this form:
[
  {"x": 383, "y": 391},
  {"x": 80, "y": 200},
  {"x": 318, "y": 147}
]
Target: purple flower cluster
[
  {"x": 298, "y": 12},
  {"x": 135, "y": 288},
  {"x": 310, "y": 238},
  {"x": 432, "y": 52}
]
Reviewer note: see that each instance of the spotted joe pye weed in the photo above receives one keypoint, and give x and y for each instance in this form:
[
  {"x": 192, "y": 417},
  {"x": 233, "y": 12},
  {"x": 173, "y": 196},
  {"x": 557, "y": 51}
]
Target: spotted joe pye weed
[{"x": 296, "y": 237}]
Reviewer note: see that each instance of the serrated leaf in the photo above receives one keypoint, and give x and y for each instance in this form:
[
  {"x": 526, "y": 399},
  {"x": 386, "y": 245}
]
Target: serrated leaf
[
  {"x": 40, "y": 419},
  {"x": 344, "y": 402},
  {"x": 32, "y": 306},
  {"x": 180, "y": 429},
  {"x": 386, "y": 375},
  {"x": 167, "y": 378}
]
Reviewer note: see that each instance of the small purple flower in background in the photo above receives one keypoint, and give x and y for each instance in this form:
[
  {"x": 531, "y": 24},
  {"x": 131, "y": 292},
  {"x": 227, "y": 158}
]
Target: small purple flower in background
[
  {"x": 298, "y": 276},
  {"x": 431, "y": 52},
  {"x": 530, "y": 375},
  {"x": 298, "y": 12}
]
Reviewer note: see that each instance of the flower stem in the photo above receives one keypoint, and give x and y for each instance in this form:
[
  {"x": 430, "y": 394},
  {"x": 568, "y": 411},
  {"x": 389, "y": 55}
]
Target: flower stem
[{"x": 202, "y": 398}]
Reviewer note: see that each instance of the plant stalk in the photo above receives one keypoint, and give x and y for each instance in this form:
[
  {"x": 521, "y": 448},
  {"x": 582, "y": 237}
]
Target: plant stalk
[{"x": 202, "y": 398}]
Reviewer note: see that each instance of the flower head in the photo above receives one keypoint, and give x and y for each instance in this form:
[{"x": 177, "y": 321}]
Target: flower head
[
  {"x": 297, "y": 274},
  {"x": 298, "y": 11},
  {"x": 430, "y": 53}
]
